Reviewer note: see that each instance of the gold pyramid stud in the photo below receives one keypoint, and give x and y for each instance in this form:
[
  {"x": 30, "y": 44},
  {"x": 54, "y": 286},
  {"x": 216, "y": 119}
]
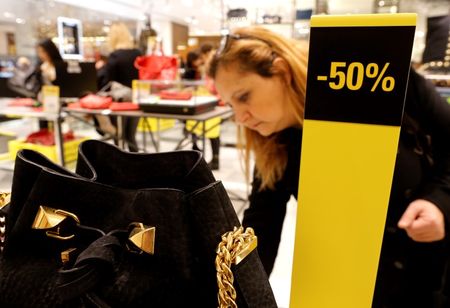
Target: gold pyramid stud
[
  {"x": 48, "y": 218},
  {"x": 143, "y": 237}
]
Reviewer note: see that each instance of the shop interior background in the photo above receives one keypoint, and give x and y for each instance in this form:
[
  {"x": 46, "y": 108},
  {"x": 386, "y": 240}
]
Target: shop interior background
[{"x": 183, "y": 25}]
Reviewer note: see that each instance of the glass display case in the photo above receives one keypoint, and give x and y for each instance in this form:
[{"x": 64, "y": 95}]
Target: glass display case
[{"x": 174, "y": 97}]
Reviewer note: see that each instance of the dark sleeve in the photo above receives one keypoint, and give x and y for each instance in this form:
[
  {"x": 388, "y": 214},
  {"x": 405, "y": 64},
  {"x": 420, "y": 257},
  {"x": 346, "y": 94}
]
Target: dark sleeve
[
  {"x": 102, "y": 77},
  {"x": 268, "y": 200},
  {"x": 62, "y": 76},
  {"x": 266, "y": 215},
  {"x": 189, "y": 74},
  {"x": 434, "y": 113},
  {"x": 110, "y": 71}
]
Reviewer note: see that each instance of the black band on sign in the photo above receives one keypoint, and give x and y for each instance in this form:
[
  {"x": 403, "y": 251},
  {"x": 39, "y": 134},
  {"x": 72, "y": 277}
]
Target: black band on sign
[{"x": 358, "y": 75}]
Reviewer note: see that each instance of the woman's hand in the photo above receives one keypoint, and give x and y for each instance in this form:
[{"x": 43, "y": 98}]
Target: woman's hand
[{"x": 423, "y": 221}]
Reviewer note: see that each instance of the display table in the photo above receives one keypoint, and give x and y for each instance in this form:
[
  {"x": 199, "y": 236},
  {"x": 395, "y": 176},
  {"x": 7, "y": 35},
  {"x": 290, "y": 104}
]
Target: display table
[
  {"x": 27, "y": 112},
  {"x": 222, "y": 112}
]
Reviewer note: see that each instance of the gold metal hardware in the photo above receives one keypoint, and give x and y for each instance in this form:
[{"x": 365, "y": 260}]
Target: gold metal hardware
[
  {"x": 49, "y": 218},
  {"x": 143, "y": 237},
  {"x": 235, "y": 246},
  {"x": 5, "y": 198},
  {"x": 65, "y": 255},
  {"x": 2, "y": 232},
  {"x": 246, "y": 250}
]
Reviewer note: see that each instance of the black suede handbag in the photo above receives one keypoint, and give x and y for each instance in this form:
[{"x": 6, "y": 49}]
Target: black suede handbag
[{"x": 126, "y": 230}]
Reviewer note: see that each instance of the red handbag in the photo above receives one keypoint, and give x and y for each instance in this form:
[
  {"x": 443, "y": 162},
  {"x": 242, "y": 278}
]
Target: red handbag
[
  {"x": 175, "y": 95},
  {"x": 74, "y": 105},
  {"x": 22, "y": 102},
  {"x": 93, "y": 101},
  {"x": 124, "y": 106},
  {"x": 46, "y": 137},
  {"x": 155, "y": 67}
]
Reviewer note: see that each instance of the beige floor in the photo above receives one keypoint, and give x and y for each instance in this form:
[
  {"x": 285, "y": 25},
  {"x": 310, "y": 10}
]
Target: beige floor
[{"x": 230, "y": 173}]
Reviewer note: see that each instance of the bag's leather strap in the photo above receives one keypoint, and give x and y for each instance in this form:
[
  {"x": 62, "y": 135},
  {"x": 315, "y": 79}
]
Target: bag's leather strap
[
  {"x": 251, "y": 281},
  {"x": 93, "y": 265}
]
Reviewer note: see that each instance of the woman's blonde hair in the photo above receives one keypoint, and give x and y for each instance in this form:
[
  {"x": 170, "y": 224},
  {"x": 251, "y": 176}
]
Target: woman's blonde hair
[
  {"x": 254, "y": 49},
  {"x": 119, "y": 37}
]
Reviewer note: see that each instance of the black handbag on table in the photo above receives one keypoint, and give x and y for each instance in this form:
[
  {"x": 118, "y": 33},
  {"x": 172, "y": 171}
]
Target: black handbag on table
[{"x": 126, "y": 230}]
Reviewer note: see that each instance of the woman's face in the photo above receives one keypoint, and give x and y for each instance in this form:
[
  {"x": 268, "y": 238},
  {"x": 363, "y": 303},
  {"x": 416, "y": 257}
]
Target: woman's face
[
  {"x": 260, "y": 103},
  {"x": 42, "y": 54}
]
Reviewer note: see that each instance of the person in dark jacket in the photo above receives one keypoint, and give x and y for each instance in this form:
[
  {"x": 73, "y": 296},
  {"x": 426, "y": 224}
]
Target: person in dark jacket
[
  {"x": 51, "y": 65},
  {"x": 257, "y": 68},
  {"x": 193, "y": 63},
  {"x": 195, "y": 60},
  {"x": 120, "y": 67},
  {"x": 51, "y": 69},
  {"x": 207, "y": 52},
  {"x": 415, "y": 250}
]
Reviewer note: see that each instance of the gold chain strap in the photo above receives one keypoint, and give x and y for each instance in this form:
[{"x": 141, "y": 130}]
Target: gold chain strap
[
  {"x": 4, "y": 200},
  {"x": 2, "y": 231},
  {"x": 235, "y": 246}
]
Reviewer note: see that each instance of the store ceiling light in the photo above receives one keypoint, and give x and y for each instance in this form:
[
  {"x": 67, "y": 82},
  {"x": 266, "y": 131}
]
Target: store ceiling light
[
  {"x": 8, "y": 15},
  {"x": 20, "y": 21},
  {"x": 188, "y": 3},
  {"x": 191, "y": 20}
]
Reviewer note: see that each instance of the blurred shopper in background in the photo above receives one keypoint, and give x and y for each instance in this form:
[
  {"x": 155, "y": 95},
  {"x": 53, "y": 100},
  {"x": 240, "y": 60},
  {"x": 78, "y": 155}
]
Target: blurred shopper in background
[
  {"x": 262, "y": 75},
  {"x": 50, "y": 70},
  {"x": 120, "y": 67},
  {"x": 192, "y": 66},
  {"x": 52, "y": 66},
  {"x": 207, "y": 51},
  {"x": 194, "y": 70}
]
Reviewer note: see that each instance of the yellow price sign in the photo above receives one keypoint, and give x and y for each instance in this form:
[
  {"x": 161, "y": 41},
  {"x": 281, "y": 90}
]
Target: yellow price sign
[
  {"x": 50, "y": 99},
  {"x": 357, "y": 75},
  {"x": 353, "y": 76},
  {"x": 140, "y": 89}
]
